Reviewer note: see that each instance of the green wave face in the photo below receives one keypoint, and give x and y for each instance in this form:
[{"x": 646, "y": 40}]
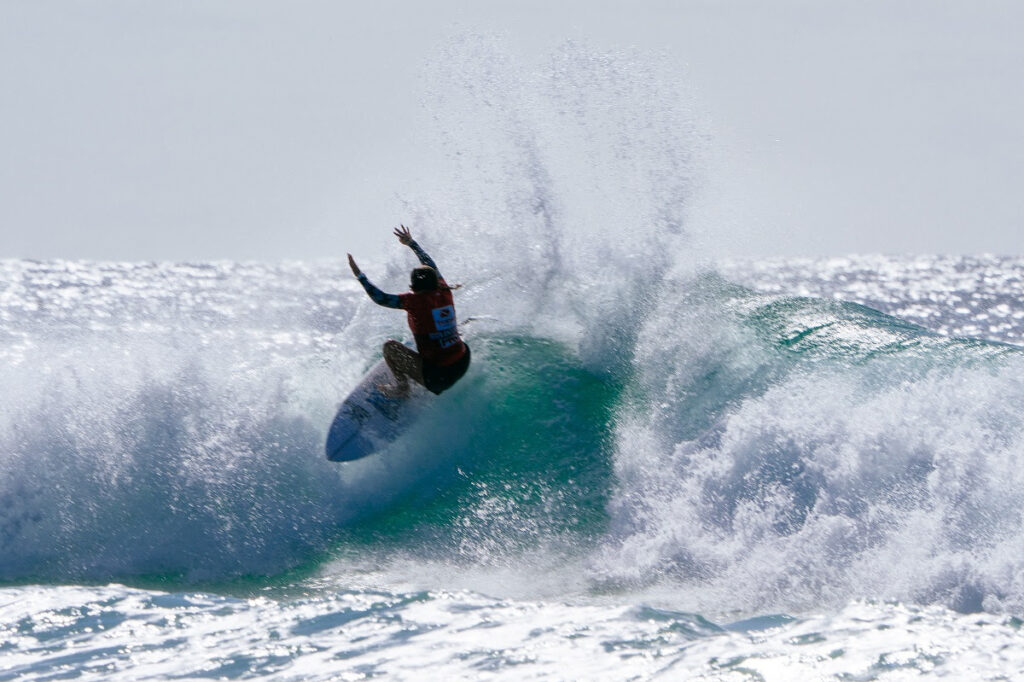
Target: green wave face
[{"x": 527, "y": 460}]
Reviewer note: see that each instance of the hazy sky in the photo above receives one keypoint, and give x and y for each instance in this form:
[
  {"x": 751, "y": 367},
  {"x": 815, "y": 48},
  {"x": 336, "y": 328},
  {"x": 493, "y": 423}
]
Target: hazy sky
[{"x": 248, "y": 129}]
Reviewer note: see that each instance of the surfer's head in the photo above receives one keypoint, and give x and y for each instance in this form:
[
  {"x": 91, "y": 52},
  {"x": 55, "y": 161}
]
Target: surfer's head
[{"x": 424, "y": 278}]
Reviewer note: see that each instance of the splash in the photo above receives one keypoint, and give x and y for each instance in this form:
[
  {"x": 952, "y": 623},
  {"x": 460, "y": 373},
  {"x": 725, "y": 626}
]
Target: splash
[
  {"x": 566, "y": 189},
  {"x": 790, "y": 453}
]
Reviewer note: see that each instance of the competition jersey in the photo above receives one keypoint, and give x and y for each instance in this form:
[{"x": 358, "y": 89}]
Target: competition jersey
[
  {"x": 432, "y": 321},
  {"x": 431, "y": 315}
]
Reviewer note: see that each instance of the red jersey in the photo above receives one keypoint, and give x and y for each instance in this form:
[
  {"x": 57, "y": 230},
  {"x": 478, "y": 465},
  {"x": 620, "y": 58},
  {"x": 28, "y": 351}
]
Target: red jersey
[{"x": 432, "y": 321}]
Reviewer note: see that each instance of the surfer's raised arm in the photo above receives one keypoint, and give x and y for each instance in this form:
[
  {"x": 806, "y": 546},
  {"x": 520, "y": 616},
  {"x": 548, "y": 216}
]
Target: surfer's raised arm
[
  {"x": 404, "y": 236},
  {"x": 379, "y": 297},
  {"x": 441, "y": 356}
]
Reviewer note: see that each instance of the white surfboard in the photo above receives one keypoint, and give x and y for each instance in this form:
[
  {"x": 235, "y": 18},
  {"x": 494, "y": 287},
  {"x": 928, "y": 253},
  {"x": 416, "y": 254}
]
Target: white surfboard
[{"x": 368, "y": 420}]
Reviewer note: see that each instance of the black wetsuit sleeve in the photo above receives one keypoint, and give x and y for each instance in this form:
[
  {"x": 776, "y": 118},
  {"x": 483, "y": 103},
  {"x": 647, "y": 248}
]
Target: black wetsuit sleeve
[
  {"x": 378, "y": 296},
  {"x": 424, "y": 258}
]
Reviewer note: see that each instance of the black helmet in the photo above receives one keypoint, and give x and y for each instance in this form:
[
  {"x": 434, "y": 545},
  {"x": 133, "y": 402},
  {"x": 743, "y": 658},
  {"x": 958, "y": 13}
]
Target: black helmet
[{"x": 424, "y": 278}]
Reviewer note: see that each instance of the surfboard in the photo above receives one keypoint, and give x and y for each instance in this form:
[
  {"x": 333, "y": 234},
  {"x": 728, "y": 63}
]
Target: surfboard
[{"x": 368, "y": 420}]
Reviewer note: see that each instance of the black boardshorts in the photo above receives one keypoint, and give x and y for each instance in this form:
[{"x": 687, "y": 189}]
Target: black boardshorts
[{"x": 438, "y": 378}]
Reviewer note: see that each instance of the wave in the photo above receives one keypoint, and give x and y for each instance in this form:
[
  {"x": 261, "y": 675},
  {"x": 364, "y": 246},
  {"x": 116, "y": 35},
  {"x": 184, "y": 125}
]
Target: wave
[
  {"x": 117, "y": 470},
  {"x": 766, "y": 452},
  {"x": 792, "y": 452}
]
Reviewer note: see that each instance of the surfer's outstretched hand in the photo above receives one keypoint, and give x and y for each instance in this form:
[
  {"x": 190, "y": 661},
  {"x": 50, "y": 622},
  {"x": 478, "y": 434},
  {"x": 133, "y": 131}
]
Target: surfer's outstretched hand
[
  {"x": 352, "y": 264},
  {"x": 403, "y": 234}
]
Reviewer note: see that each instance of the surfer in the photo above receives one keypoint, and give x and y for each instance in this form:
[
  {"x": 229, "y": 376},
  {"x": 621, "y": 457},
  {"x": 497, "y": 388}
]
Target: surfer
[{"x": 442, "y": 357}]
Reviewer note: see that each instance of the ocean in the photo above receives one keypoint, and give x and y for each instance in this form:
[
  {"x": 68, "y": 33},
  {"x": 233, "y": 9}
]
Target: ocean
[
  {"x": 775, "y": 468},
  {"x": 662, "y": 464}
]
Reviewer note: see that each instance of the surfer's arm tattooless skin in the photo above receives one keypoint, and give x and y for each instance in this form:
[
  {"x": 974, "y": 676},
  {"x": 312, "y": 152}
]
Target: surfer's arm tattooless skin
[{"x": 378, "y": 296}]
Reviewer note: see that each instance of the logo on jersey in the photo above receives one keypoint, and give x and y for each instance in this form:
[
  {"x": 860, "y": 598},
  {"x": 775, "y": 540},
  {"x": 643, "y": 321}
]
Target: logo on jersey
[{"x": 444, "y": 318}]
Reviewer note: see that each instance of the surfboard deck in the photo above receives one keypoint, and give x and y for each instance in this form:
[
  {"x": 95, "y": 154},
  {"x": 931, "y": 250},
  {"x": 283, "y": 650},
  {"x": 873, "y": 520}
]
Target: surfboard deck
[{"x": 367, "y": 419}]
